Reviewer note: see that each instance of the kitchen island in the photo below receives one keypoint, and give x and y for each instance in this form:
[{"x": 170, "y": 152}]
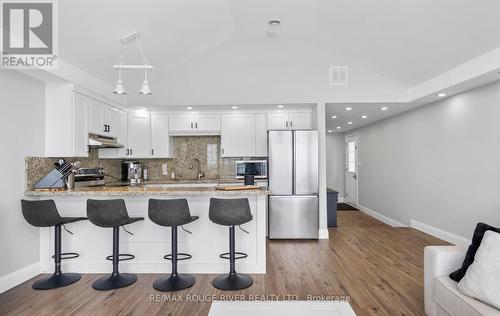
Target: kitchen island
[{"x": 151, "y": 242}]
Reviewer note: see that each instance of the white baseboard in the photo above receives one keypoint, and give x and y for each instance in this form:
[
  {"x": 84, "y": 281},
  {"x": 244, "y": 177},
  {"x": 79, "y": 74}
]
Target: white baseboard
[
  {"x": 439, "y": 233},
  {"x": 380, "y": 217},
  {"x": 19, "y": 276},
  {"x": 340, "y": 199},
  {"x": 323, "y": 233}
]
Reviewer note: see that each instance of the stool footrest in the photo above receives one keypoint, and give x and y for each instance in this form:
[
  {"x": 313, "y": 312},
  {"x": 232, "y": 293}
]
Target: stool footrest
[
  {"x": 238, "y": 255},
  {"x": 180, "y": 256},
  {"x": 121, "y": 257},
  {"x": 68, "y": 255}
]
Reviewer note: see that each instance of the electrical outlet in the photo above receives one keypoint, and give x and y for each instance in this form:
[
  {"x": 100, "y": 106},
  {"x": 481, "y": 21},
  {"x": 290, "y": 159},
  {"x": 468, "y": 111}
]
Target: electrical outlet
[{"x": 164, "y": 169}]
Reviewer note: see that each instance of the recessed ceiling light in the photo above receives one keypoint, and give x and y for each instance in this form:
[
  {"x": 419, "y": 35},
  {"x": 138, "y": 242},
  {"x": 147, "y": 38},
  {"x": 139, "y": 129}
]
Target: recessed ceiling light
[
  {"x": 234, "y": 107},
  {"x": 348, "y": 108},
  {"x": 384, "y": 108},
  {"x": 189, "y": 108},
  {"x": 334, "y": 116},
  {"x": 364, "y": 116},
  {"x": 329, "y": 131},
  {"x": 441, "y": 95},
  {"x": 280, "y": 106},
  {"x": 338, "y": 127},
  {"x": 349, "y": 123}
]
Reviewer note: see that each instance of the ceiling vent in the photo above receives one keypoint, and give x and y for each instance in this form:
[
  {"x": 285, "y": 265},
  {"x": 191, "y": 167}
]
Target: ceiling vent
[{"x": 339, "y": 75}]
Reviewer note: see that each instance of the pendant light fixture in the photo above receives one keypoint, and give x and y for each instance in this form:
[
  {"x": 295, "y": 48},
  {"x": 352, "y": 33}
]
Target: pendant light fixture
[{"x": 119, "y": 87}]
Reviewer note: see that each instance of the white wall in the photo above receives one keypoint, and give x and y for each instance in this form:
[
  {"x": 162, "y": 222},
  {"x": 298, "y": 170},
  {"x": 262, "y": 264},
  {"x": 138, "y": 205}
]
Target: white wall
[
  {"x": 438, "y": 164},
  {"x": 22, "y": 129},
  {"x": 335, "y": 162}
]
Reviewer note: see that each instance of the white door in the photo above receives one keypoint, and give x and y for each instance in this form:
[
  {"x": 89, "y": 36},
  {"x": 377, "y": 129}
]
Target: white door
[
  {"x": 207, "y": 124},
  {"x": 80, "y": 119},
  {"x": 181, "y": 124},
  {"x": 351, "y": 172},
  {"x": 277, "y": 121},
  {"x": 96, "y": 117},
  {"x": 160, "y": 140},
  {"x": 139, "y": 135},
  {"x": 238, "y": 135},
  {"x": 300, "y": 120},
  {"x": 260, "y": 135},
  {"x": 111, "y": 120}
]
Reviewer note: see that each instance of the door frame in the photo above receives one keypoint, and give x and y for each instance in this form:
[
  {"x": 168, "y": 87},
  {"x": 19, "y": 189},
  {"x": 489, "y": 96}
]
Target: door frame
[{"x": 347, "y": 138}]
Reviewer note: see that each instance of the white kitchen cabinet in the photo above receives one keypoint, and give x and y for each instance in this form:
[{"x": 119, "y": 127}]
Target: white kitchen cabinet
[
  {"x": 238, "y": 135},
  {"x": 191, "y": 124},
  {"x": 122, "y": 134},
  {"x": 111, "y": 121},
  {"x": 260, "y": 135},
  {"x": 162, "y": 144},
  {"x": 207, "y": 124},
  {"x": 277, "y": 121},
  {"x": 139, "y": 134},
  {"x": 66, "y": 121},
  {"x": 96, "y": 117},
  {"x": 300, "y": 120},
  {"x": 289, "y": 120}
]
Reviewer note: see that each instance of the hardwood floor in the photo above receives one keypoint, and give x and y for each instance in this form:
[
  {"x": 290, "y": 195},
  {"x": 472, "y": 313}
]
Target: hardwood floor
[{"x": 380, "y": 268}]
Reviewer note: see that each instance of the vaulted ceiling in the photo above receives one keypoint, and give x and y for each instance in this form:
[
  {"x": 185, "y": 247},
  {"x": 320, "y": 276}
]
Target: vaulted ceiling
[{"x": 205, "y": 47}]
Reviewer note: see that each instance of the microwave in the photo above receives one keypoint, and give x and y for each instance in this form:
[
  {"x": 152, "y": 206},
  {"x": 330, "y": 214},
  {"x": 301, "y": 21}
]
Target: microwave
[{"x": 257, "y": 168}]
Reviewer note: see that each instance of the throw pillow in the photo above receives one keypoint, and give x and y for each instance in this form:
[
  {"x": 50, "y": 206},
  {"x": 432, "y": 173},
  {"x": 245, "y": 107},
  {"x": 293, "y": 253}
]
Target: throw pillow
[
  {"x": 483, "y": 276},
  {"x": 481, "y": 228}
]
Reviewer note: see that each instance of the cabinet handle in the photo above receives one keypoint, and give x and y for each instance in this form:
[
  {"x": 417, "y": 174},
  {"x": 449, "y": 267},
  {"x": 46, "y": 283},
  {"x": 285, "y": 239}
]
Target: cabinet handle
[
  {"x": 191, "y": 125},
  {"x": 152, "y": 152},
  {"x": 196, "y": 125},
  {"x": 127, "y": 151},
  {"x": 104, "y": 128},
  {"x": 222, "y": 151},
  {"x": 291, "y": 123},
  {"x": 286, "y": 124},
  {"x": 131, "y": 151},
  {"x": 109, "y": 128}
]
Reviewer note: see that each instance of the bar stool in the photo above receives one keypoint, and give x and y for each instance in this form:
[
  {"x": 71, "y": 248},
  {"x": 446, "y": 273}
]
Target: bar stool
[
  {"x": 231, "y": 212},
  {"x": 112, "y": 213},
  {"x": 44, "y": 214},
  {"x": 172, "y": 213}
]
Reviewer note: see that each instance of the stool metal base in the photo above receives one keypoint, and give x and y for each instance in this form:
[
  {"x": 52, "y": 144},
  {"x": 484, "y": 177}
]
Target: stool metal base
[
  {"x": 175, "y": 282},
  {"x": 114, "y": 281},
  {"x": 56, "y": 280},
  {"x": 232, "y": 281}
]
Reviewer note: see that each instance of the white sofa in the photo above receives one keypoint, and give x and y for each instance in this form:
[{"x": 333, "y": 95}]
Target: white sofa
[{"x": 440, "y": 292}]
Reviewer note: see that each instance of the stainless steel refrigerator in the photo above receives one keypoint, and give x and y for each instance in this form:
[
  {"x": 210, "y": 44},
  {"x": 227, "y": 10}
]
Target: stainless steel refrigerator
[{"x": 293, "y": 181}]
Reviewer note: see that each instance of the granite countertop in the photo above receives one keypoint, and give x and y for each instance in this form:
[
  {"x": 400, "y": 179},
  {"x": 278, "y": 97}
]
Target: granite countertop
[{"x": 144, "y": 190}]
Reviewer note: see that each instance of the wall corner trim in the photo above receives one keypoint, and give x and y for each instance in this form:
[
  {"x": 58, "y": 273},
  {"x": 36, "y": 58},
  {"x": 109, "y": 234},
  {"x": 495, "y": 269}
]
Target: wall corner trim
[
  {"x": 380, "y": 217},
  {"x": 439, "y": 233},
  {"x": 17, "y": 277},
  {"x": 323, "y": 233}
]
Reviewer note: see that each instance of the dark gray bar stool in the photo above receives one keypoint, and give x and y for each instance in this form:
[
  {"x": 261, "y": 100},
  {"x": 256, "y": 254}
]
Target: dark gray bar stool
[
  {"x": 44, "y": 214},
  {"x": 172, "y": 213},
  {"x": 231, "y": 212},
  {"x": 112, "y": 214}
]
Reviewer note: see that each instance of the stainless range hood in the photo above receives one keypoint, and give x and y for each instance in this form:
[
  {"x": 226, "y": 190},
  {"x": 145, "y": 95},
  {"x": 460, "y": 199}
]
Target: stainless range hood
[{"x": 100, "y": 141}]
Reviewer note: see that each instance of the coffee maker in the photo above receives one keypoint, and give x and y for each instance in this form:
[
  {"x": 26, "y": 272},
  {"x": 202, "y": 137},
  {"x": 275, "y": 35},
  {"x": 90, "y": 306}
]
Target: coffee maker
[{"x": 129, "y": 169}]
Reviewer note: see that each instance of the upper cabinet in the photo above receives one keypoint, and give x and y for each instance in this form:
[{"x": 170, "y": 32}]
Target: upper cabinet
[
  {"x": 243, "y": 135},
  {"x": 289, "y": 120},
  {"x": 238, "y": 135},
  {"x": 162, "y": 144},
  {"x": 139, "y": 134},
  {"x": 103, "y": 119},
  {"x": 66, "y": 121},
  {"x": 189, "y": 124}
]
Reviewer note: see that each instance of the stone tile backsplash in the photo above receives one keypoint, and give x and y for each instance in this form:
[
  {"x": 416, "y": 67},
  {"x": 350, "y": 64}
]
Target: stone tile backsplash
[{"x": 186, "y": 149}]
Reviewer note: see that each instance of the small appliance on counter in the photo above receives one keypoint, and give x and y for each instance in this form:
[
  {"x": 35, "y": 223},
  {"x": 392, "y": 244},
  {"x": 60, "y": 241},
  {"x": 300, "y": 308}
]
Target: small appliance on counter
[
  {"x": 131, "y": 172},
  {"x": 249, "y": 179},
  {"x": 256, "y": 168},
  {"x": 89, "y": 177}
]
